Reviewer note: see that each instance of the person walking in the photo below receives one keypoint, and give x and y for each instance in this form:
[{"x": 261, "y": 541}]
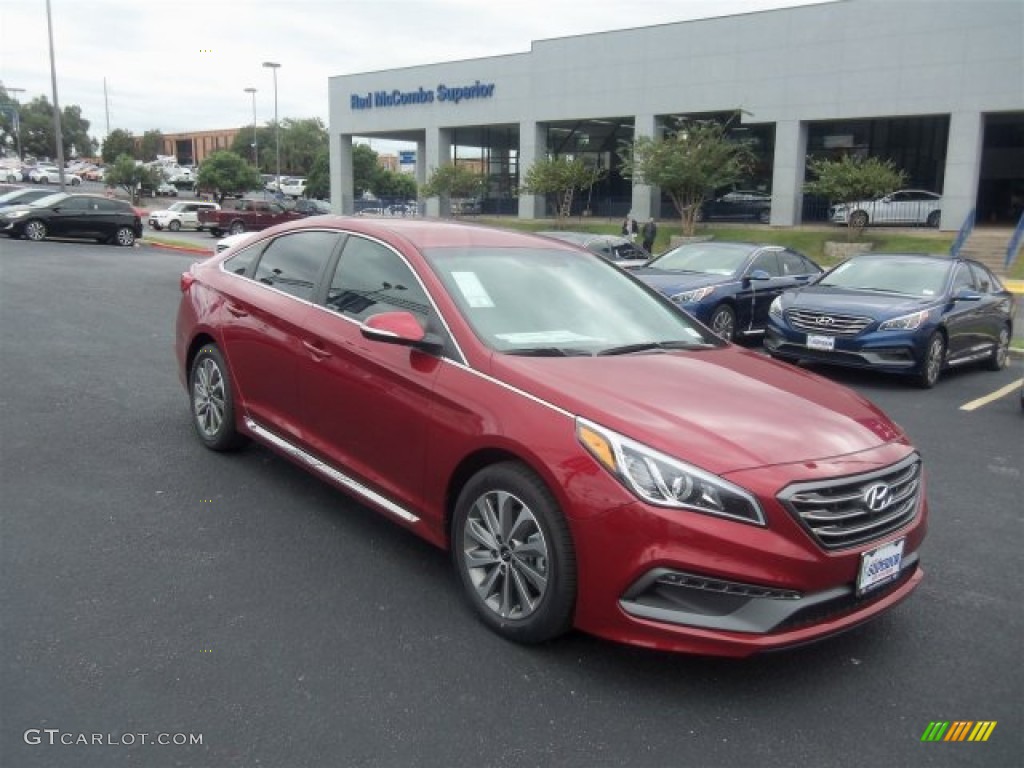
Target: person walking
[
  {"x": 650, "y": 232},
  {"x": 630, "y": 227}
]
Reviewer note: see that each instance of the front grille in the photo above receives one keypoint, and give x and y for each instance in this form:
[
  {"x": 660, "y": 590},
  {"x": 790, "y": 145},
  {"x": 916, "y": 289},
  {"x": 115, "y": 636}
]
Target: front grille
[
  {"x": 825, "y": 322},
  {"x": 848, "y": 511}
]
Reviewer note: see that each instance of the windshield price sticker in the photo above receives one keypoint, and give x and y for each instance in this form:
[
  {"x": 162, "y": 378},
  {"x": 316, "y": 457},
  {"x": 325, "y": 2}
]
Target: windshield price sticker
[
  {"x": 880, "y": 566},
  {"x": 824, "y": 343}
]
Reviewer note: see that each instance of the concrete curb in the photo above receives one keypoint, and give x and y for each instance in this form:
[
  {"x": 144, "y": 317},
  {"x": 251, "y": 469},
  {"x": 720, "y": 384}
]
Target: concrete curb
[{"x": 178, "y": 248}]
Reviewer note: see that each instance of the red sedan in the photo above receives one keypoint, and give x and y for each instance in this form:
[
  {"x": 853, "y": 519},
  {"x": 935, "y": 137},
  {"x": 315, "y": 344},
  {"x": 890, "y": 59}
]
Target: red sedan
[{"x": 590, "y": 455}]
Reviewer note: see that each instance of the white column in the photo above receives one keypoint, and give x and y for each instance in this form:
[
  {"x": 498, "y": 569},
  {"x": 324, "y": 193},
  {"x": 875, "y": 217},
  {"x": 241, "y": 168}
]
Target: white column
[
  {"x": 438, "y": 152},
  {"x": 646, "y": 198},
  {"x": 342, "y": 175},
  {"x": 421, "y": 171},
  {"x": 532, "y": 147},
  {"x": 963, "y": 168},
  {"x": 788, "y": 172}
]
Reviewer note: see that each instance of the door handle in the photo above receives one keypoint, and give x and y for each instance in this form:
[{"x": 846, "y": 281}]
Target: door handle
[
  {"x": 318, "y": 353},
  {"x": 235, "y": 310}
]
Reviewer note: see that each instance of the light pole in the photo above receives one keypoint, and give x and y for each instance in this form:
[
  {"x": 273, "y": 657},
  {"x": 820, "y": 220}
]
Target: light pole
[
  {"x": 255, "y": 149},
  {"x": 17, "y": 119},
  {"x": 273, "y": 65},
  {"x": 56, "y": 106}
]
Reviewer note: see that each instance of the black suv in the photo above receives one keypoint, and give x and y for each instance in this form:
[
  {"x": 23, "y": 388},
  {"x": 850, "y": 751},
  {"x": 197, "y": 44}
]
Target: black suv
[{"x": 92, "y": 217}]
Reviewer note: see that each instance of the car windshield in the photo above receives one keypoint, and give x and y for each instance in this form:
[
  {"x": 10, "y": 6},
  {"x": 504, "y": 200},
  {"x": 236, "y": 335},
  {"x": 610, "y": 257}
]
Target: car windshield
[
  {"x": 708, "y": 258},
  {"x": 46, "y": 202},
  {"x": 14, "y": 194},
  {"x": 913, "y": 277},
  {"x": 550, "y": 302}
]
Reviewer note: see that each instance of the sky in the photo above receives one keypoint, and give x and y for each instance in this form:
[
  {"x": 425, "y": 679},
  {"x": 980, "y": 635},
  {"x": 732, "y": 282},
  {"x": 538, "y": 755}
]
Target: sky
[{"x": 184, "y": 65}]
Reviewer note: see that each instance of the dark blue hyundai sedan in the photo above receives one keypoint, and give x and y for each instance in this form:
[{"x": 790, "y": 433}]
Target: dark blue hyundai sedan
[
  {"x": 728, "y": 286},
  {"x": 909, "y": 314}
]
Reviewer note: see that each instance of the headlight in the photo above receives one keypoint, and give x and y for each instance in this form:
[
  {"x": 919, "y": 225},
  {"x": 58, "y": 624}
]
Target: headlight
[
  {"x": 664, "y": 481},
  {"x": 689, "y": 297},
  {"x": 905, "y": 323},
  {"x": 775, "y": 310}
]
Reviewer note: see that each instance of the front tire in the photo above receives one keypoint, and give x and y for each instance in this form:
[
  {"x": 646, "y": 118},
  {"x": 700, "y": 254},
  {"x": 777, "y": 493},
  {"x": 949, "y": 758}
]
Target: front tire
[
  {"x": 35, "y": 230},
  {"x": 513, "y": 552},
  {"x": 213, "y": 405},
  {"x": 999, "y": 356},
  {"x": 934, "y": 357},
  {"x": 723, "y": 322},
  {"x": 174, "y": 225}
]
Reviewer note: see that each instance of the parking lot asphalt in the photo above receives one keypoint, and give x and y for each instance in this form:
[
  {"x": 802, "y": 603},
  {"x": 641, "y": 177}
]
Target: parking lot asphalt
[{"x": 148, "y": 586}]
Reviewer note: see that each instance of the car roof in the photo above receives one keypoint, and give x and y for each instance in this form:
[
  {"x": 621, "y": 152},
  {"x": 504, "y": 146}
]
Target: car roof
[{"x": 425, "y": 233}]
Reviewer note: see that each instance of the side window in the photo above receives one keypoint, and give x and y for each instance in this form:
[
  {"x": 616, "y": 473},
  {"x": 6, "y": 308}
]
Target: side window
[
  {"x": 985, "y": 280},
  {"x": 190, "y": 209},
  {"x": 76, "y": 204},
  {"x": 795, "y": 264},
  {"x": 239, "y": 263},
  {"x": 769, "y": 262},
  {"x": 371, "y": 279},
  {"x": 293, "y": 263},
  {"x": 963, "y": 279},
  {"x": 112, "y": 206}
]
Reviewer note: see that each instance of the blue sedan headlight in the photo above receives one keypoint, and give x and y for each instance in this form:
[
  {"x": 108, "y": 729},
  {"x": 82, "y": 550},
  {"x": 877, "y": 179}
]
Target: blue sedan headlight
[
  {"x": 905, "y": 323},
  {"x": 690, "y": 297},
  {"x": 775, "y": 310}
]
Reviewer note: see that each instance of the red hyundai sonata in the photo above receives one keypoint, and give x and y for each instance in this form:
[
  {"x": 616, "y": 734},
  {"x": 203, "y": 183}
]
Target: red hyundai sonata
[{"x": 590, "y": 455}]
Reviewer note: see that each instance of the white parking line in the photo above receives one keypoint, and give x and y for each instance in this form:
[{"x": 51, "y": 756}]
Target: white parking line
[{"x": 1001, "y": 392}]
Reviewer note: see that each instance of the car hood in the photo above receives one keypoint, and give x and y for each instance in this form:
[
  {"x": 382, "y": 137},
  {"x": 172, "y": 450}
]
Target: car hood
[
  {"x": 675, "y": 282},
  {"x": 19, "y": 207},
  {"x": 850, "y": 302},
  {"x": 724, "y": 409}
]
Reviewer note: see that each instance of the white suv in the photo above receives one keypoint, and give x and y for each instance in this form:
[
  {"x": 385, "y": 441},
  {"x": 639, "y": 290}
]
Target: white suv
[{"x": 183, "y": 214}]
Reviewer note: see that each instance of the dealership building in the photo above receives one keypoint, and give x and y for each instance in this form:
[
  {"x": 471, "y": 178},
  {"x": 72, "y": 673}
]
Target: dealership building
[{"x": 936, "y": 86}]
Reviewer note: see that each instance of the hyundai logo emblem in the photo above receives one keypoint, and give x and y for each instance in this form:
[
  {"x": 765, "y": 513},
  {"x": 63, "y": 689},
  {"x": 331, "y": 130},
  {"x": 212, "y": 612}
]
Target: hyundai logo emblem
[
  {"x": 824, "y": 320},
  {"x": 877, "y": 497}
]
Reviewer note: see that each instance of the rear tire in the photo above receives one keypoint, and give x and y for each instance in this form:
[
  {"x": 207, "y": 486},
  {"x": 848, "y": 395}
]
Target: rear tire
[
  {"x": 237, "y": 228},
  {"x": 997, "y": 361},
  {"x": 125, "y": 237},
  {"x": 933, "y": 219},
  {"x": 513, "y": 552},
  {"x": 213, "y": 404}
]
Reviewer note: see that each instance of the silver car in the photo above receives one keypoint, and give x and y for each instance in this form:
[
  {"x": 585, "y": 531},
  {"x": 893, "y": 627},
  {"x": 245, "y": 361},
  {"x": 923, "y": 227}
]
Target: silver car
[{"x": 905, "y": 206}]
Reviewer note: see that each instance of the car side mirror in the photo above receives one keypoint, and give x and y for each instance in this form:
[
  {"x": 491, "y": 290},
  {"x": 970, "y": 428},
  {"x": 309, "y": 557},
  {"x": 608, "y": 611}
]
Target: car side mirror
[
  {"x": 966, "y": 294},
  {"x": 759, "y": 274},
  {"x": 400, "y": 328}
]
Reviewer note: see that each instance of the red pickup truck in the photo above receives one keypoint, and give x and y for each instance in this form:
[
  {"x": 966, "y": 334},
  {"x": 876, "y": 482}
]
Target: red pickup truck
[{"x": 246, "y": 216}]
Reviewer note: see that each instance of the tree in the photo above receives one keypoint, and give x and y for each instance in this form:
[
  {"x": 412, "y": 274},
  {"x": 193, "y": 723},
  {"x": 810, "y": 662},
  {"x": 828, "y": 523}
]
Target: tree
[
  {"x": 453, "y": 180},
  {"x": 151, "y": 145},
  {"x": 39, "y": 137},
  {"x": 301, "y": 142},
  {"x": 318, "y": 182},
  {"x": 117, "y": 143},
  {"x": 225, "y": 173},
  {"x": 688, "y": 164},
  {"x": 130, "y": 176},
  {"x": 242, "y": 146},
  {"x": 393, "y": 184},
  {"x": 853, "y": 178},
  {"x": 364, "y": 168},
  {"x": 561, "y": 176},
  {"x": 8, "y": 109}
]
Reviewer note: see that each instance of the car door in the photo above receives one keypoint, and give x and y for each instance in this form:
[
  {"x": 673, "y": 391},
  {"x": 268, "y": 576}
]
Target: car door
[
  {"x": 962, "y": 317},
  {"x": 108, "y": 216},
  {"x": 995, "y": 307},
  {"x": 367, "y": 402},
  {"x": 263, "y": 319},
  {"x": 755, "y": 297}
]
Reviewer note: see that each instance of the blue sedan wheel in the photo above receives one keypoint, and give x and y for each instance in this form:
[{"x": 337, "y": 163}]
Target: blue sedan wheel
[
  {"x": 1002, "y": 350},
  {"x": 723, "y": 322},
  {"x": 934, "y": 357}
]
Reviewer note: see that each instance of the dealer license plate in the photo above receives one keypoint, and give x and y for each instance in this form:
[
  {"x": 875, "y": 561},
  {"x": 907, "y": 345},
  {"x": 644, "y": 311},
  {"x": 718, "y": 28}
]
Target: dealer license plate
[
  {"x": 824, "y": 343},
  {"x": 880, "y": 566}
]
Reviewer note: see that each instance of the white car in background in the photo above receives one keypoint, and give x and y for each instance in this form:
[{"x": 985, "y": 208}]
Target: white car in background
[
  {"x": 293, "y": 187},
  {"x": 905, "y": 206},
  {"x": 226, "y": 242},
  {"x": 50, "y": 174},
  {"x": 179, "y": 215}
]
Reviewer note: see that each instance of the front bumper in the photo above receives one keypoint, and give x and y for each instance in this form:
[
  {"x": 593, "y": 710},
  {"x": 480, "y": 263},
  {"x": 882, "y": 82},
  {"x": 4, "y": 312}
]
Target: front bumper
[
  {"x": 887, "y": 351},
  {"x": 681, "y": 581}
]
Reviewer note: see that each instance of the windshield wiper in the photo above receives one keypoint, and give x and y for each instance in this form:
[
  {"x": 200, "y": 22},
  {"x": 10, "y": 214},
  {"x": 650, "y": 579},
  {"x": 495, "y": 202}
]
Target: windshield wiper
[
  {"x": 648, "y": 346},
  {"x": 546, "y": 352}
]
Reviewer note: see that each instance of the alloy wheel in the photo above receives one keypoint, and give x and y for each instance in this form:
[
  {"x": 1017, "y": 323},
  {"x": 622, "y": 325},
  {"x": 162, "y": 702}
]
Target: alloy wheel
[
  {"x": 506, "y": 555},
  {"x": 208, "y": 397}
]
